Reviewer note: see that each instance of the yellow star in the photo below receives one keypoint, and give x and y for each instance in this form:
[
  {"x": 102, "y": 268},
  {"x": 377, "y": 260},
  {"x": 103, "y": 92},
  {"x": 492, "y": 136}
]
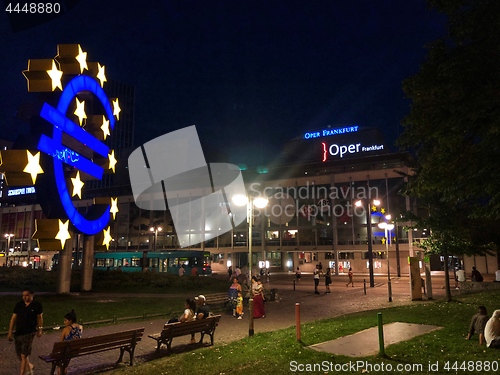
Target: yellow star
[
  {"x": 33, "y": 166},
  {"x": 374, "y": 208},
  {"x": 101, "y": 76},
  {"x": 112, "y": 160},
  {"x": 382, "y": 210},
  {"x": 105, "y": 127},
  {"x": 107, "y": 237},
  {"x": 77, "y": 185},
  {"x": 80, "y": 110},
  {"x": 114, "y": 207},
  {"x": 63, "y": 233},
  {"x": 116, "y": 109},
  {"x": 82, "y": 59},
  {"x": 55, "y": 75}
]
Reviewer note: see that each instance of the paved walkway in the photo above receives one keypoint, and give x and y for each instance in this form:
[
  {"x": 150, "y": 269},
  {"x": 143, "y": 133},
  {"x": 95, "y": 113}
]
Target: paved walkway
[
  {"x": 393, "y": 333},
  {"x": 279, "y": 314}
]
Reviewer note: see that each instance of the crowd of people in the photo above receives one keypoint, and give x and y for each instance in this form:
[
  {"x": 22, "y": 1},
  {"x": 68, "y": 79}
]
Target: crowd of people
[{"x": 27, "y": 317}]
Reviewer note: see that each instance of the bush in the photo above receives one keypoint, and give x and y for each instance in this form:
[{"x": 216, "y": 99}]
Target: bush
[{"x": 16, "y": 278}]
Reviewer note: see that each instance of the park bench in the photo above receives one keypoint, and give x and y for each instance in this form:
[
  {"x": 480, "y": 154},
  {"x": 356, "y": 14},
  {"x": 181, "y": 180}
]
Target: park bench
[
  {"x": 64, "y": 351},
  {"x": 217, "y": 300},
  {"x": 203, "y": 326}
]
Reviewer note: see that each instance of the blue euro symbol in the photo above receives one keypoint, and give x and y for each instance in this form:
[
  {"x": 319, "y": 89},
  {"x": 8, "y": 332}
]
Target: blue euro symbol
[{"x": 60, "y": 153}]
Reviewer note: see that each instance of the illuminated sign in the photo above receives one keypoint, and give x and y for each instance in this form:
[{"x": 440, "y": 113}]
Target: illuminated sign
[
  {"x": 53, "y": 146},
  {"x": 45, "y": 76},
  {"x": 342, "y": 150},
  {"x": 329, "y": 132},
  {"x": 21, "y": 191}
]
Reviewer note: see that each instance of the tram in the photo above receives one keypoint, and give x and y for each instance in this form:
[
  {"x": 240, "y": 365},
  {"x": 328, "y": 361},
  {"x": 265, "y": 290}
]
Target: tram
[{"x": 155, "y": 261}]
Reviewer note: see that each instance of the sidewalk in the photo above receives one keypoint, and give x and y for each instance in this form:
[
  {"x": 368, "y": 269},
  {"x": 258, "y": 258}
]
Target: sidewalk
[{"x": 279, "y": 314}]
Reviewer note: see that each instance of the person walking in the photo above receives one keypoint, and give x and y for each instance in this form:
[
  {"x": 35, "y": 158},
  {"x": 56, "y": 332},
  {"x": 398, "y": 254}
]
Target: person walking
[
  {"x": 328, "y": 280},
  {"x": 297, "y": 275},
  {"x": 350, "y": 274},
  {"x": 316, "y": 279},
  {"x": 181, "y": 270},
  {"x": 28, "y": 320}
]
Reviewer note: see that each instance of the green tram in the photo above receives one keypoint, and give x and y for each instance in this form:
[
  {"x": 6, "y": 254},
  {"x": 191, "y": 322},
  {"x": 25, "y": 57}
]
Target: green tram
[{"x": 155, "y": 261}]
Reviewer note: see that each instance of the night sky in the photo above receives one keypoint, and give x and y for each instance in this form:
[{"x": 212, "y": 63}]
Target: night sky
[{"x": 249, "y": 74}]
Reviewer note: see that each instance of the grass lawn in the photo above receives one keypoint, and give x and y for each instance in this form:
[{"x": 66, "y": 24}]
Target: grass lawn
[
  {"x": 440, "y": 352},
  {"x": 115, "y": 303},
  {"x": 89, "y": 309}
]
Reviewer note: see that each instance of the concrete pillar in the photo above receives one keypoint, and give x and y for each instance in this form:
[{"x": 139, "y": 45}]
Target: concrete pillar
[
  {"x": 87, "y": 263},
  {"x": 64, "y": 282}
]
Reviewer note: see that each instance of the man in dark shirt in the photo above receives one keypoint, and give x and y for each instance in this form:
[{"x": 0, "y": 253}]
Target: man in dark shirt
[
  {"x": 476, "y": 275},
  {"x": 28, "y": 319},
  {"x": 477, "y": 324},
  {"x": 202, "y": 312}
]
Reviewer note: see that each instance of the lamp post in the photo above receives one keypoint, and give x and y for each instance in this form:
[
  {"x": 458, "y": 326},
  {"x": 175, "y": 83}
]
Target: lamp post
[
  {"x": 8, "y": 236},
  {"x": 376, "y": 202},
  {"x": 387, "y": 227},
  {"x": 259, "y": 202},
  {"x": 155, "y": 230}
]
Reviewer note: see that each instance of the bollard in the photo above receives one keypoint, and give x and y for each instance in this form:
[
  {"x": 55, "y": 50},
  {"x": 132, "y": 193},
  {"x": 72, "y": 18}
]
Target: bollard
[
  {"x": 389, "y": 287},
  {"x": 294, "y": 285},
  {"x": 380, "y": 335},
  {"x": 364, "y": 285},
  {"x": 297, "y": 321},
  {"x": 250, "y": 324}
]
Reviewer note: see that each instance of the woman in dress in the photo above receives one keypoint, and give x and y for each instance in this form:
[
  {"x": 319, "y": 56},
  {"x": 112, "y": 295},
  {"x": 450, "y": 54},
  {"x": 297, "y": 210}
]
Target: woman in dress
[{"x": 258, "y": 298}]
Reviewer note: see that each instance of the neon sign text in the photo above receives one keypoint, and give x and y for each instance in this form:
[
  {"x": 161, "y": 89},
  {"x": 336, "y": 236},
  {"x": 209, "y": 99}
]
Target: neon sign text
[
  {"x": 353, "y": 148},
  {"x": 329, "y": 132},
  {"x": 21, "y": 191}
]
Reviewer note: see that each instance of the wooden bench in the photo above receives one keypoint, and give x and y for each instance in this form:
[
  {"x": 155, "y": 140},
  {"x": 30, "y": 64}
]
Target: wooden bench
[
  {"x": 217, "y": 299},
  {"x": 204, "y": 326},
  {"x": 63, "y": 351}
]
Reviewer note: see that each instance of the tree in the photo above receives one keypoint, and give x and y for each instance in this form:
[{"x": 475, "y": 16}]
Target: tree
[{"x": 453, "y": 129}]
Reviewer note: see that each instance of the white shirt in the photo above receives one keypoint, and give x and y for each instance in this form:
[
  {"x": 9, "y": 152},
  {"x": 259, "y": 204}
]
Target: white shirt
[
  {"x": 492, "y": 329},
  {"x": 461, "y": 275}
]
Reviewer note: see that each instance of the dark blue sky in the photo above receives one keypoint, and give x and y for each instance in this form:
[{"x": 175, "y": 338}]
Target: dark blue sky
[{"x": 249, "y": 74}]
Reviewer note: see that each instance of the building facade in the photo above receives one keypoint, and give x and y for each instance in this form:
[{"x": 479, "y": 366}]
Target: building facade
[{"x": 311, "y": 216}]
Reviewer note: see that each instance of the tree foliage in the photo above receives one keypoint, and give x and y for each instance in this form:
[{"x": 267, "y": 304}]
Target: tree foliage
[{"x": 453, "y": 128}]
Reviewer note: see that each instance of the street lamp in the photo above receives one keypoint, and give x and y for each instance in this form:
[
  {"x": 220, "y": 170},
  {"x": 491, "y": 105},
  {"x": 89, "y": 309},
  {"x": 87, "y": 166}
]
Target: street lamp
[
  {"x": 8, "y": 236},
  {"x": 155, "y": 230},
  {"x": 387, "y": 227},
  {"x": 376, "y": 202},
  {"x": 259, "y": 202}
]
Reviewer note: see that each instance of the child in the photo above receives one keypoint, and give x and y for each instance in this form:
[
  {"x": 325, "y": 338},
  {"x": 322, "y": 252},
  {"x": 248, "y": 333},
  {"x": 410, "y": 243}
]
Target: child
[{"x": 239, "y": 305}]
